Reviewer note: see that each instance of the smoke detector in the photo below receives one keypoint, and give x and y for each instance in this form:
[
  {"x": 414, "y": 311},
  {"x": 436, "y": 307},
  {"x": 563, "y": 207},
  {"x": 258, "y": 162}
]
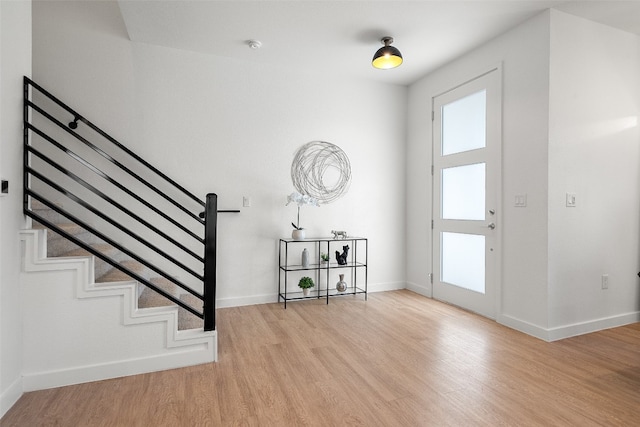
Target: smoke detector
[{"x": 254, "y": 44}]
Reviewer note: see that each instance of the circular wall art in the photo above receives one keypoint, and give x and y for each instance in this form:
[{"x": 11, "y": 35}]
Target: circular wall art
[{"x": 321, "y": 170}]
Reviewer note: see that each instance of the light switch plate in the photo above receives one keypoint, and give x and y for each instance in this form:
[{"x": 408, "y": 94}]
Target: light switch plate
[
  {"x": 520, "y": 201},
  {"x": 571, "y": 200}
]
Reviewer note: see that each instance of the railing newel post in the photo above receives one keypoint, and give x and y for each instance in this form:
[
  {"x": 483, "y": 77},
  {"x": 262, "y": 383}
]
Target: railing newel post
[{"x": 210, "y": 265}]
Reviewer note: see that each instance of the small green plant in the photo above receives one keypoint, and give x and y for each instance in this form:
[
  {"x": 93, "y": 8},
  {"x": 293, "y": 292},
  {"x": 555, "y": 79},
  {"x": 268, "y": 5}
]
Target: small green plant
[
  {"x": 306, "y": 283},
  {"x": 324, "y": 257}
]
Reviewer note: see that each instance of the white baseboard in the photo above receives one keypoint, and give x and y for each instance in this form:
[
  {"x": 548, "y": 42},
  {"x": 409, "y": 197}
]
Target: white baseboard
[
  {"x": 426, "y": 291},
  {"x": 383, "y": 287},
  {"x": 241, "y": 301},
  {"x": 121, "y": 368},
  {"x": 568, "y": 331},
  {"x": 10, "y": 396},
  {"x": 523, "y": 326},
  {"x": 581, "y": 328},
  {"x": 271, "y": 298}
]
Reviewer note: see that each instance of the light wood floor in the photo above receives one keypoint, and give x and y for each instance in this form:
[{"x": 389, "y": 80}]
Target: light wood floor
[{"x": 398, "y": 359}]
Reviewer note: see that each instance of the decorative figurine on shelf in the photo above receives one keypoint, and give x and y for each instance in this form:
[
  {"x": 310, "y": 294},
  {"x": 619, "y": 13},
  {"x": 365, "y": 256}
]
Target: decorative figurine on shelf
[
  {"x": 341, "y": 234},
  {"x": 342, "y": 257}
]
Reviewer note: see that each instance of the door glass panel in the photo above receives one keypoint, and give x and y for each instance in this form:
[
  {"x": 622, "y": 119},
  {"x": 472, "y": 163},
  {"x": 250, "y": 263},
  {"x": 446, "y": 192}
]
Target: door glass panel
[
  {"x": 464, "y": 124},
  {"x": 462, "y": 258},
  {"x": 463, "y": 192}
]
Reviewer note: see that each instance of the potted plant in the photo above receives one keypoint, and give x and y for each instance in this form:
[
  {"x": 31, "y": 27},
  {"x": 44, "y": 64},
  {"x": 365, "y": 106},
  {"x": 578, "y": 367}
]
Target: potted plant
[
  {"x": 306, "y": 283},
  {"x": 324, "y": 258}
]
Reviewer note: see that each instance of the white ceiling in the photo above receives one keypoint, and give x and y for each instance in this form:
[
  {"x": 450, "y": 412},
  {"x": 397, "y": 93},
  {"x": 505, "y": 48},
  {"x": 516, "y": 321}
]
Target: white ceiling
[{"x": 340, "y": 37}]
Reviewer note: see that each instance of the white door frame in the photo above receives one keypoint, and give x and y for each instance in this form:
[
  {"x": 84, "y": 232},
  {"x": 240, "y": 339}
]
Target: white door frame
[{"x": 492, "y": 80}]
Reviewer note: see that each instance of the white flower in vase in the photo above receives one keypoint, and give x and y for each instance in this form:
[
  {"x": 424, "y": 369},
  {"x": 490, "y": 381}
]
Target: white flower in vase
[{"x": 300, "y": 200}]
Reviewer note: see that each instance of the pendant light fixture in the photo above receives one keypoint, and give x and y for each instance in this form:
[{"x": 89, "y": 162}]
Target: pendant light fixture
[{"x": 387, "y": 56}]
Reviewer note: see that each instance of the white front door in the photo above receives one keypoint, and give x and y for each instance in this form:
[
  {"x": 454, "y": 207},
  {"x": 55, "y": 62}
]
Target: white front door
[{"x": 466, "y": 177}]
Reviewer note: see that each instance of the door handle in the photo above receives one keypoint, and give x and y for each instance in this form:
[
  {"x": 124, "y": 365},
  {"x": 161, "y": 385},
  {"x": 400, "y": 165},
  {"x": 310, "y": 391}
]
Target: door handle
[{"x": 492, "y": 226}]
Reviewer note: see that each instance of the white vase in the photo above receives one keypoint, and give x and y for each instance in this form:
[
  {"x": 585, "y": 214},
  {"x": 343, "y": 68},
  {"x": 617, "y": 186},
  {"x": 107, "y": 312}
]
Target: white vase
[
  {"x": 306, "y": 291},
  {"x": 298, "y": 234}
]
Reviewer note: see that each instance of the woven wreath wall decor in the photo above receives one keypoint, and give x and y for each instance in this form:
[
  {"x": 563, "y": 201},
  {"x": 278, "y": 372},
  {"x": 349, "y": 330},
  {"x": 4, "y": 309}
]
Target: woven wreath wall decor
[{"x": 321, "y": 170}]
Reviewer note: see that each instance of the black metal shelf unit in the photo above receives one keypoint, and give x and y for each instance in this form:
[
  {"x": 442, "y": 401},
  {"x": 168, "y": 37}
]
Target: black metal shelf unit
[{"x": 325, "y": 273}]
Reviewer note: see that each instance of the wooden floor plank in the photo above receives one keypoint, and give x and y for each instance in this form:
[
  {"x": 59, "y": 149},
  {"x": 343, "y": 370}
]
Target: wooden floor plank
[{"x": 398, "y": 359}]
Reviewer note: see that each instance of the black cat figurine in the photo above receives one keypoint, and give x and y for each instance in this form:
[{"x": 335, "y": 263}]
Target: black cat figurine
[{"x": 342, "y": 258}]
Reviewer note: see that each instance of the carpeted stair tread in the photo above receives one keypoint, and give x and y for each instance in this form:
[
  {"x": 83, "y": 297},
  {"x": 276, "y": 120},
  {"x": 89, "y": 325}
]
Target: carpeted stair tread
[
  {"x": 37, "y": 225},
  {"x": 102, "y": 269},
  {"x": 166, "y": 285},
  {"x": 78, "y": 251},
  {"x": 150, "y": 298},
  {"x": 70, "y": 228},
  {"x": 115, "y": 275},
  {"x": 58, "y": 245},
  {"x": 103, "y": 248},
  {"x": 186, "y": 320},
  {"x": 37, "y": 205}
]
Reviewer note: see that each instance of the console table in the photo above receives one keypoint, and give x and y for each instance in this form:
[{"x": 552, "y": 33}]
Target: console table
[{"x": 325, "y": 274}]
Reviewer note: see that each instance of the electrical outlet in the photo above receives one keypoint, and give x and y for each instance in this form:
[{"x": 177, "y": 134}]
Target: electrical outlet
[
  {"x": 605, "y": 281},
  {"x": 246, "y": 202}
]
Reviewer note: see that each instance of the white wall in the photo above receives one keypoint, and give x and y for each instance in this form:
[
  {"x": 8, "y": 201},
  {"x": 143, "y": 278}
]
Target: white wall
[
  {"x": 232, "y": 127},
  {"x": 524, "y": 55},
  {"x": 15, "y": 62},
  {"x": 594, "y": 152},
  {"x": 570, "y": 124}
]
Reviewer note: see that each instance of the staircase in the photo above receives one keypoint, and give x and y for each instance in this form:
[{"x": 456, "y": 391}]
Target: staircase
[
  {"x": 104, "y": 273},
  {"x": 120, "y": 264},
  {"x": 77, "y": 330}
]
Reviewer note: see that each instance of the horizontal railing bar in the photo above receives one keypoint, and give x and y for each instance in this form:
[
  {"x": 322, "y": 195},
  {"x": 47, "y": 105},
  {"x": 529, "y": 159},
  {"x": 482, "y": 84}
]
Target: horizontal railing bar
[
  {"x": 98, "y": 212},
  {"x": 114, "y": 141},
  {"x": 114, "y": 243},
  {"x": 112, "y": 160},
  {"x": 222, "y": 211},
  {"x": 105, "y": 258},
  {"x": 117, "y": 205},
  {"x": 125, "y": 160},
  {"x": 106, "y": 177}
]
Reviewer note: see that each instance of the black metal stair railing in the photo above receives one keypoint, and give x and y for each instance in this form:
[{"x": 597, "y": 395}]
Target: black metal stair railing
[{"x": 89, "y": 178}]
